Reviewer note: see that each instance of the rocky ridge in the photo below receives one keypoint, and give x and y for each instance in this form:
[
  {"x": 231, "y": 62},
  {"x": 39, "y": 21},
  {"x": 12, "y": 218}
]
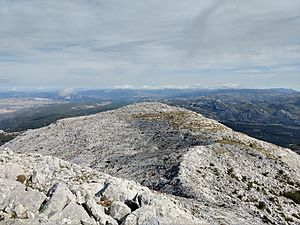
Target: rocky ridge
[{"x": 219, "y": 175}]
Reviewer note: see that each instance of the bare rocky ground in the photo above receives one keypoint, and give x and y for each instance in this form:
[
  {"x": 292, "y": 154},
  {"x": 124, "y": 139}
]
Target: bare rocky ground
[
  {"x": 38, "y": 189},
  {"x": 217, "y": 175}
]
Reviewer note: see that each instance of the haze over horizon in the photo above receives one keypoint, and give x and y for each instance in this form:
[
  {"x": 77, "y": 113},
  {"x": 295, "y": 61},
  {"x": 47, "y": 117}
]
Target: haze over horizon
[{"x": 142, "y": 44}]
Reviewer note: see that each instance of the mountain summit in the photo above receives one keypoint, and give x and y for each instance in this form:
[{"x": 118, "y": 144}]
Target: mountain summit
[{"x": 220, "y": 176}]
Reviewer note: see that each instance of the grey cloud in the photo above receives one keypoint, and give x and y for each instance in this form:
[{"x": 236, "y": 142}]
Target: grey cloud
[
  {"x": 147, "y": 42},
  {"x": 195, "y": 36},
  {"x": 223, "y": 27}
]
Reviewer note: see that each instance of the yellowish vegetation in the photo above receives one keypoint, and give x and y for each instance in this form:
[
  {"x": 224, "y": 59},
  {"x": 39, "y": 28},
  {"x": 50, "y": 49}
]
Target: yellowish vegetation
[
  {"x": 252, "y": 145},
  {"x": 230, "y": 142},
  {"x": 182, "y": 120}
]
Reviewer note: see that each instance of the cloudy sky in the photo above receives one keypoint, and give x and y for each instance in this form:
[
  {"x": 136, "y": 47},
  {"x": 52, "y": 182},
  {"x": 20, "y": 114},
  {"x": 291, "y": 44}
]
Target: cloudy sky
[{"x": 149, "y": 43}]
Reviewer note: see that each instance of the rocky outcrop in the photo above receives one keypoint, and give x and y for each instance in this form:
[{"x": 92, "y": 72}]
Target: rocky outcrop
[
  {"x": 221, "y": 176},
  {"x": 143, "y": 142},
  {"x": 37, "y": 189}
]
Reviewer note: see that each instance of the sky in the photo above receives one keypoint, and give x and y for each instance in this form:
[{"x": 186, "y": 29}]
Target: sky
[{"x": 149, "y": 44}]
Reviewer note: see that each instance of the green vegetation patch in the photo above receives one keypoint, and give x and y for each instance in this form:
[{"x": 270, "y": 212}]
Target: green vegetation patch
[
  {"x": 293, "y": 195},
  {"x": 6, "y": 138}
]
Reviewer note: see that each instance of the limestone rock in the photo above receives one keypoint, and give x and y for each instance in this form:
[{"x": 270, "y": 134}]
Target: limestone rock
[
  {"x": 119, "y": 210},
  {"x": 60, "y": 202},
  {"x": 97, "y": 211},
  {"x": 75, "y": 214},
  {"x": 59, "y": 196}
]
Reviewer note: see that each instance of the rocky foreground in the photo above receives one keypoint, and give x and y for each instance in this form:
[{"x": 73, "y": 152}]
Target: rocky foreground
[
  {"x": 216, "y": 175},
  {"x": 37, "y": 189}
]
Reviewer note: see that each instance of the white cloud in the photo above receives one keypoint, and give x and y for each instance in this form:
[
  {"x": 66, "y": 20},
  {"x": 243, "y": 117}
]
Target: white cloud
[{"x": 66, "y": 92}]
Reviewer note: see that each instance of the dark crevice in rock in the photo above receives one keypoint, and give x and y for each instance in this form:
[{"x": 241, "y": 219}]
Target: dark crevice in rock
[
  {"x": 43, "y": 206},
  {"x": 66, "y": 204},
  {"x": 134, "y": 203},
  {"x": 100, "y": 193},
  {"x": 88, "y": 211}
]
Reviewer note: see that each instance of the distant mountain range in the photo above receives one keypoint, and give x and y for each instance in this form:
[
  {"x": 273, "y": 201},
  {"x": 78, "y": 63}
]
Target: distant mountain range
[{"x": 271, "y": 115}]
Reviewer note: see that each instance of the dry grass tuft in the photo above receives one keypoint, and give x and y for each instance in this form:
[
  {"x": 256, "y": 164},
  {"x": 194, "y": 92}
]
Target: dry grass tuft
[
  {"x": 105, "y": 202},
  {"x": 22, "y": 178}
]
